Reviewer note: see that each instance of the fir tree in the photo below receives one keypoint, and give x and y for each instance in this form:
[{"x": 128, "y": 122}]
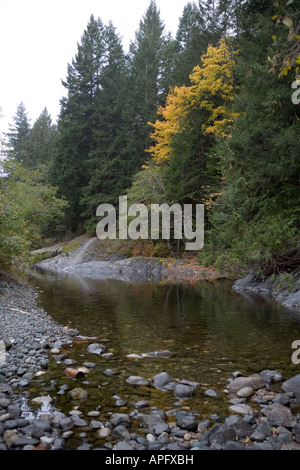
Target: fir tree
[
  {"x": 199, "y": 26},
  {"x": 18, "y": 137},
  {"x": 78, "y": 119},
  {"x": 192, "y": 43},
  {"x": 109, "y": 164},
  {"x": 42, "y": 141},
  {"x": 147, "y": 81}
]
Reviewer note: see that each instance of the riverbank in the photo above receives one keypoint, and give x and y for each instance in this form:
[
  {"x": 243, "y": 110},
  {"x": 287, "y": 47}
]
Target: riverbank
[
  {"x": 132, "y": 261},
  {"x": 284, "y": 288},
  {"x": 26, "y": 336},
  {"x": 262, "y": 409},
  {"x": 128, "y": 261}
]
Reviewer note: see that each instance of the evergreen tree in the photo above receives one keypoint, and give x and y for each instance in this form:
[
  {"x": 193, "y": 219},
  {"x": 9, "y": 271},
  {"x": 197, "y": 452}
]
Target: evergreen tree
[
  {"x": 192, "y": 43},
  {"x": 109, "y": 164},
  {"x": 256, "y": 219},
  {"x": 42, "y": 140},
  {"x": 78, "y": 118},
  {"x": 147, "y": 81},
  {"x": 199, "y": 26},
  {"x": 146, "y": 63},
  {"x": 18, "y": 137}
]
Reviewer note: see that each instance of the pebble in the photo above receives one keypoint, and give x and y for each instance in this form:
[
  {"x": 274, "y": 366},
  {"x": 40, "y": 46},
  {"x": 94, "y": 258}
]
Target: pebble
[
  {"x": 137, "y": 380},
  {"x": 211, "y": 393}
]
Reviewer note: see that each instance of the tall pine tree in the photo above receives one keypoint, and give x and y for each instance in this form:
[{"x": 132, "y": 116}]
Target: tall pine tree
[
  {"x": 199, "y": 26},
  {"x": 191, "y": 43},
  {"x": 42, "y": 141},
  {"x": 78, "y": 118},
  {"x": 109, "y": 166},
  {"x": 147, "y": 81},
  {"x": 18, "y": 136}
]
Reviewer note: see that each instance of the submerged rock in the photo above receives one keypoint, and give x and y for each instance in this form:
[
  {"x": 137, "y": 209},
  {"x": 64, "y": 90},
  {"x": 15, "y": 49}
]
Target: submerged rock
[
  {"x": 137, "y": 380},
  {"x": 96, "y": 348},
  {"x": 164, "y": 354},
  {"x": 183, "y": 391},
  {"x": 78, "y": 394},
  {"x": 210, "y": 393}
]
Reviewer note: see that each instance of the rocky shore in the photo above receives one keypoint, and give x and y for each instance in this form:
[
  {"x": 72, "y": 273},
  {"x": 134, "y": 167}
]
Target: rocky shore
[
  {"x": 262, "y": 408},
  {"x": 90, "y": 257},
  {"x": 284, "y": 288}
]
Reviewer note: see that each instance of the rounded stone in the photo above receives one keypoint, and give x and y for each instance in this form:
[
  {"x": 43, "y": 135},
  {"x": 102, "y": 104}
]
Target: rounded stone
[
  {"x": 245, "y": 392},
  {"x": 186, "y": 420},
  {"x": 160, "y": 380},
  {"x": 104, "y": 432},
  {"x": 183, "y": 391}
]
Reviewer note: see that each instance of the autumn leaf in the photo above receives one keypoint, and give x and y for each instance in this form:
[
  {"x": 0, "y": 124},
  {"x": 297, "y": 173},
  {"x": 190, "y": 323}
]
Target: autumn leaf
[{"x": 211, "y": 90}]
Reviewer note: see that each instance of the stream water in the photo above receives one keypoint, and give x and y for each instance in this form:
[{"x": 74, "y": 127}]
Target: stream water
[{"x": 210, "y": 330}]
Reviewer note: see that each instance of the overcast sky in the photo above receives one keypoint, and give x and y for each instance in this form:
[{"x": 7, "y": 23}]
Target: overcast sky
[{"x": 38, "y": 38}]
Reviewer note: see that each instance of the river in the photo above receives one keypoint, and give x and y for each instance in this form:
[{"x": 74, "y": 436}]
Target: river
[{"x": 210, "y": 330}]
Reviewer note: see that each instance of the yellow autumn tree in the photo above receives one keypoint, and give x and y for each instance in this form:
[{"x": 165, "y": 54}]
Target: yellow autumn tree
[
  {"x": 213, "y": 88},
  {"x": 174, "y": 115},
  {"x": 211, "y": 91}
]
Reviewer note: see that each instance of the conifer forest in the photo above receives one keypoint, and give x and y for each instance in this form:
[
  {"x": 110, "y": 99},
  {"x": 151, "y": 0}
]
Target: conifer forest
[{"x": 210, "y": 116}]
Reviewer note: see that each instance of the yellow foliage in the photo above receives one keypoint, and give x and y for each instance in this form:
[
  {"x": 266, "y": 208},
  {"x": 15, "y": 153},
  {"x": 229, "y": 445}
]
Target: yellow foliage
[
  {"x": 174, "y": 114},
  {"x": 211, "y": 90}
]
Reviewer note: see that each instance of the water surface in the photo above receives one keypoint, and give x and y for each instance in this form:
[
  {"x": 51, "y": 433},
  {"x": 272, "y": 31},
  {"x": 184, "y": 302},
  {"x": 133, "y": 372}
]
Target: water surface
[{"x": 210, "y": 330}]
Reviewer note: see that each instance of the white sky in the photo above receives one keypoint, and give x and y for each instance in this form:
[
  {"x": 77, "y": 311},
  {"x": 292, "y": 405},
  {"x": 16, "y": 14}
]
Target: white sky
[{"x": 39, "y": 38}]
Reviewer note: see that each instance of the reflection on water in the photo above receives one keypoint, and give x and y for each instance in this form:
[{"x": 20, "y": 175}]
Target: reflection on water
[{"x": 211, "y": 331}]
